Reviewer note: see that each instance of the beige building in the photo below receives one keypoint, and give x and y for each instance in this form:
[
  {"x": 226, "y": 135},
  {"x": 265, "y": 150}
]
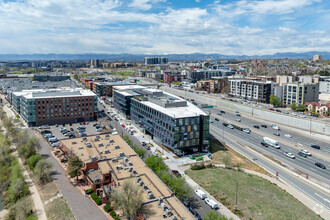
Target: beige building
[
  {"x": 317, "y": 58},
  {"x": 281, "y": 79},
  {"x": 300, "y": 93}
]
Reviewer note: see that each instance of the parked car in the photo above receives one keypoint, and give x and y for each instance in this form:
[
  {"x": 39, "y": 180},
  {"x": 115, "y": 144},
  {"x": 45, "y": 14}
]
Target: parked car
[
  {"x": 256, "y": 126},
  {"x": 320, "y": 165},
  {"x": 294, "y": 114},
  {"x": 271, "y": 109},
  {"x": 55, "y": 144},
  {"x": 46, "y": 132},
  {"x": 278, "y": 110},
  {"x": 67, "y": 134},
  {"x": 285, "y": 112},
  {"x": 316, "y": 147},
  {"x": 71, "y": 129},
  {"x": 300, "y": 153},
  {"x": 289, "y": 155},
  {"x": 211, "y": 203},
  {"x": 176, "y": 173},
  {"x": 82, "y": 134},
  {"x": 200, "y": 193},
  {"x": 155, "y": 154}
]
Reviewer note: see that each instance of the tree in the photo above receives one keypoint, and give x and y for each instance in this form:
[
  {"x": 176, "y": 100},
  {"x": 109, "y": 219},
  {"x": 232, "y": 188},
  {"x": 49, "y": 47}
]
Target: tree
[
  {"x": 29, "y": 148},
  {"x": 226, "y": 159},
  {"x": 155, "y": 163},
  {"x": 33, "y": 160},
  {"x": 274, "y": 100},
  {"x": 128, "y": 198},
  {"x": 213, "y": 216},
  {"x": 293, "y": 106},
  {"x": 74, "y": 167},
  {"x": 43, "y": 171},
  {"x": 301, "y": 108}
]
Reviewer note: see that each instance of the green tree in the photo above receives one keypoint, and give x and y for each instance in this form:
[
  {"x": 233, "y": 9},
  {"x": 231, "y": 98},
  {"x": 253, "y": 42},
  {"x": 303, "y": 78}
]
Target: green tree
[
  {"x": 33, "y": 160},
  {"x": 293, "y": 106},
  {"x": 29, "y": 148},
  {"x": 74, "y": 167},
  {"x": 141, "y": 152},
  {"x": 274, "y": 100},
  {"x": 213, "y": 216},
  {"x": 301, "y": 108},
  {"x": 155, "y": 163},
  {"x": 128, "y": 198},
  {"x": 43, "y": 171}
]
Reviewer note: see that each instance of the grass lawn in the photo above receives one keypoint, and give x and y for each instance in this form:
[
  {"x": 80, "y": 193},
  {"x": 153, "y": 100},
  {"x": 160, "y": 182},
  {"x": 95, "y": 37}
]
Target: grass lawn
[
  {"x": 257, "y": 198},
  {"x": 218, "y": 152},
  {"x": 58, "y": 209},
  {"x": 122, "y": 74}
]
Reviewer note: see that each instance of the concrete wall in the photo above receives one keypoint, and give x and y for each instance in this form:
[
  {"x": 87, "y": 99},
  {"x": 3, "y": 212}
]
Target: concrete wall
[{"x": 293, "y": 121}]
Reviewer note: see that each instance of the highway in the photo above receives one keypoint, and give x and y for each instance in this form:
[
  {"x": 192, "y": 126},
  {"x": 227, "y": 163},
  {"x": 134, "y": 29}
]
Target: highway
[{"x": 319, "y": 197}]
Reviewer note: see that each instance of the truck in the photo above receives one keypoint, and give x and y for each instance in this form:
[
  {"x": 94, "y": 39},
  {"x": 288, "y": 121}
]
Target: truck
[
  {"x": 266, "y": 141},
  {"x": 200, "y": 193}
]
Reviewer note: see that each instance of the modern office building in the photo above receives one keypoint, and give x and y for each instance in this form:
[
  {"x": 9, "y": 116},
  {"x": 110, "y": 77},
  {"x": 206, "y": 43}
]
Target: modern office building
[
  {"x": 55, "y": 77},
  {"x": 250, "y": 89},
  {"x": 207, "y": 74},
  {"x": 300, "y": 93},
  {"x": 155, "y": 60},
  {"x": 56, "y": 106},
  {"x": 171, "y": 121},
  {"x": 214, "y": 85},
  {"x": 105, "y": 88},
  {"x": 96, "y": 63},
  {"x": 108, "y": 161}
]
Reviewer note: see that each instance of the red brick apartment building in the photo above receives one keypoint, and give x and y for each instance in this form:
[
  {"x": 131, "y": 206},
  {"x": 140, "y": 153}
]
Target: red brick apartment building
[
  {"x": 172, "y": 77},
  {"x": 40, "y": 107}
]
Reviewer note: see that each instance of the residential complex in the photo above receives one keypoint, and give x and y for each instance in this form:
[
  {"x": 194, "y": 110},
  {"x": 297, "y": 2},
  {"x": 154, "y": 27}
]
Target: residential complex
[
  {"x": 170, "y": 76},
  {"x": 214, "y": 85},
  {"x": 155, "y": 60},
  {"x": 44, "y": 77},
  {"x": 105, "y": 88},
  {"x": 252, "y": 90},
  {"x": 56, "y": 106},
  {"x": 171, "y": 121},
  {"x": 300, "y": 93},
  {"x": 318, "y": 108},
  {"x": 108, "y": 161}
]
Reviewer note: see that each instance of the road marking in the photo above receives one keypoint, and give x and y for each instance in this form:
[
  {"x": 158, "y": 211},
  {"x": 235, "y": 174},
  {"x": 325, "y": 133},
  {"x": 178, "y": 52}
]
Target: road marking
[{"x": 325, "y": 199}]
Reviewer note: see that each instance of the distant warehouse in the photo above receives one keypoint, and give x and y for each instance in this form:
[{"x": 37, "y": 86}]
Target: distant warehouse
[
  {"x": 39, "y": 107},
  {"x": 170, "y": 120},
  {"x": 55, "y": 77}
]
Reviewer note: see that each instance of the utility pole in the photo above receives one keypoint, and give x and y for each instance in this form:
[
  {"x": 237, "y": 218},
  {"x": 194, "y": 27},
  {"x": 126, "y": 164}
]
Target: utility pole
[{"x": 236, "y": 194}]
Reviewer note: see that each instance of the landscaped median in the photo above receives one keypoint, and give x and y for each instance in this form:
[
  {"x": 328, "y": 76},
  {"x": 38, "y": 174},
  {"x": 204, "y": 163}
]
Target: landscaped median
[{"x": 257, "y": 198}]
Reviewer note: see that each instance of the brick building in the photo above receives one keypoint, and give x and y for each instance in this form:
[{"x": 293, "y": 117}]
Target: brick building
[
  {"x": 57, "y": 106},
  {"x": 214, "y": 86},
  {"x": 106, "y": 88},
  {"x": 172, "y": 77}
]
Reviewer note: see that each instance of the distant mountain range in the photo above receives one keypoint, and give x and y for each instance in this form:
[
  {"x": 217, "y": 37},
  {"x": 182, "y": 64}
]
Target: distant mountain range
[{"x": 171, "y": 57}]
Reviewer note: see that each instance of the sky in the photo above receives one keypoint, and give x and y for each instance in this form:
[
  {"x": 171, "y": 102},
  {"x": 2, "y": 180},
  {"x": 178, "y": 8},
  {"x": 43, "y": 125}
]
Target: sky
[{"x": 230, "y": 27}]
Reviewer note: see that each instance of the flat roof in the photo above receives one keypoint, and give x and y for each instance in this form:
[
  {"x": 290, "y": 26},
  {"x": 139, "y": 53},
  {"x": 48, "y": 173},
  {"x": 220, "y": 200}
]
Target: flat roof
[
  {"x": 129, "y": 87},
  {"x": 114, "y": 83},
  {"x": 54, "y": 93},
  {"x": 116, "y": 156}
]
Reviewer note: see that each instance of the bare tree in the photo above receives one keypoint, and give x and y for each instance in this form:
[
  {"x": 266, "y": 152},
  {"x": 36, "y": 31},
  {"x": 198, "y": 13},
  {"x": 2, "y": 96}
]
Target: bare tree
[{"x": 128, "y": 198}]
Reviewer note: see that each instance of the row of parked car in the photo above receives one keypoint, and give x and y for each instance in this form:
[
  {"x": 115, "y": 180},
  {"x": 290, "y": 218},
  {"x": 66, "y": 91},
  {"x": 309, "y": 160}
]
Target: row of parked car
[
  {"x": 48, "y": 135},
  {"x": 210, "y": 202}
]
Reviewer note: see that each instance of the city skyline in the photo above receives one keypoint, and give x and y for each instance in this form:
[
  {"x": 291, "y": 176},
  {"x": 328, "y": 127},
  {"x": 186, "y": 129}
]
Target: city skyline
[{"x": 164, "y": 26}]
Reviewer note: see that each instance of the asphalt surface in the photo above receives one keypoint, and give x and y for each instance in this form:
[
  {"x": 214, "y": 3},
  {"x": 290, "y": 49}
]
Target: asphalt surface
[{"x": 317, "y": 195}]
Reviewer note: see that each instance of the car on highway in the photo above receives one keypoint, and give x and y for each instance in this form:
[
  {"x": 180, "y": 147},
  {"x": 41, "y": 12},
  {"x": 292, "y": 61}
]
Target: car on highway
[
  {"x": 247, "y": 130},
  {"x": 211, "y": 203},
  {"x": 289, "y": 155},
  {"x": 316, "y": 146},
  {"x": 238, "y": 119},
  {"x": 276, "y": 127},
  {"x": 236, "y": 112},
  {"x": 300, "y": 153},
  {"x": 217, "y": 119},
  {"x": 223, "y": 112},
  {"x": 238, "y": 115},
  {"x": 288, "y": 135},
  {"x": 306, "y": 152},
  {"x": 276, "y": 134},
  {"x": 264, "y": 126},
  {"x": 256, "y": 126},
  {"x": 219, "y": 113},
  {"x": 320, "y": 165},
  {"x": 230, "y": 126}
]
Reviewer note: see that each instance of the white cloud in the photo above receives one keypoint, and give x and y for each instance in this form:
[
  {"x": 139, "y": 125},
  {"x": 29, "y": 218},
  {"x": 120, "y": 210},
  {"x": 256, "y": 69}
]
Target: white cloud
[{"x": 144, "y": 4}]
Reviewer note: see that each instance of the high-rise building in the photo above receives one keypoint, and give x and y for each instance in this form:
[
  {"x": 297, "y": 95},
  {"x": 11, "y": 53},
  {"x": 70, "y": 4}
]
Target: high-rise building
[
  {"x": 300, "y": 93},
  {"x": 96, "y": 63},
  {"x": 155, "y": 60},
  {"x": 170, "y": 120},
  {"x": 317, "y": 58},
  {"x": 57, "y": 106}
]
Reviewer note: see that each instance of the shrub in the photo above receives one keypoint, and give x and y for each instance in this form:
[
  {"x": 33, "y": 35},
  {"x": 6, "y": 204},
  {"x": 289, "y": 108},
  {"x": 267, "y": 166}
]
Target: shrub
[
  {"x": 113, "y": 214},
  {"x": 89, "y": 191},
  {"x": 96, "y": 198},
  {"x": 33, "y": 160},
  {"x": 198, "y": 167},
  {"x": 107, "y": 208},
  {"x": 64, "y": 160}
]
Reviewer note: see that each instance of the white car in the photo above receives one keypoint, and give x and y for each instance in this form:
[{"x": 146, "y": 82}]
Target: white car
[
  {"x": 306, "y": 152},
  {"x": 238, "y": 119},
  {"x": 230, "y": 126},
  {"x": 289, "y": 155},
  {"x": 294, "y": 114},
  {"x": 155, "y": 154},
  {"x": 276, "y": 127},
  {"x": 200, "y": 194},
  {"x": 114, "y": 133},
  {"x": 288, "y": 135},
  {"x": 56, "y": 144},
  {"x": 211, "y": 203},
  {"x": 302, "y": 116},
  {"x": 247, "y": 130}
]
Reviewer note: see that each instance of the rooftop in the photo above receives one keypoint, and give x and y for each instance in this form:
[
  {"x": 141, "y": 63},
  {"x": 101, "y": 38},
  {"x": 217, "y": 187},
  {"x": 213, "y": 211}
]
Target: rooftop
[
  {"x": 128, "y": 87},
  {"x": 54, "y": 93},
  {"x": 116, "y": 156},
  {"x": 114, "y": 83}
]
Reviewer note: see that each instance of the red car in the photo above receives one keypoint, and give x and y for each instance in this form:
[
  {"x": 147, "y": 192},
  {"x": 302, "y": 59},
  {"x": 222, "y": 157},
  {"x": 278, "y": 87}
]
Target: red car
[
  {"x": 123, "y": 126},
  {"x": 176, "y": 173},
  {"x": 271, "y": 109}
]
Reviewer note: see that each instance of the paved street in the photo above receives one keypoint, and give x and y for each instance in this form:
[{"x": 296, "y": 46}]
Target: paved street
[{"x": 82, "y": 207}]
